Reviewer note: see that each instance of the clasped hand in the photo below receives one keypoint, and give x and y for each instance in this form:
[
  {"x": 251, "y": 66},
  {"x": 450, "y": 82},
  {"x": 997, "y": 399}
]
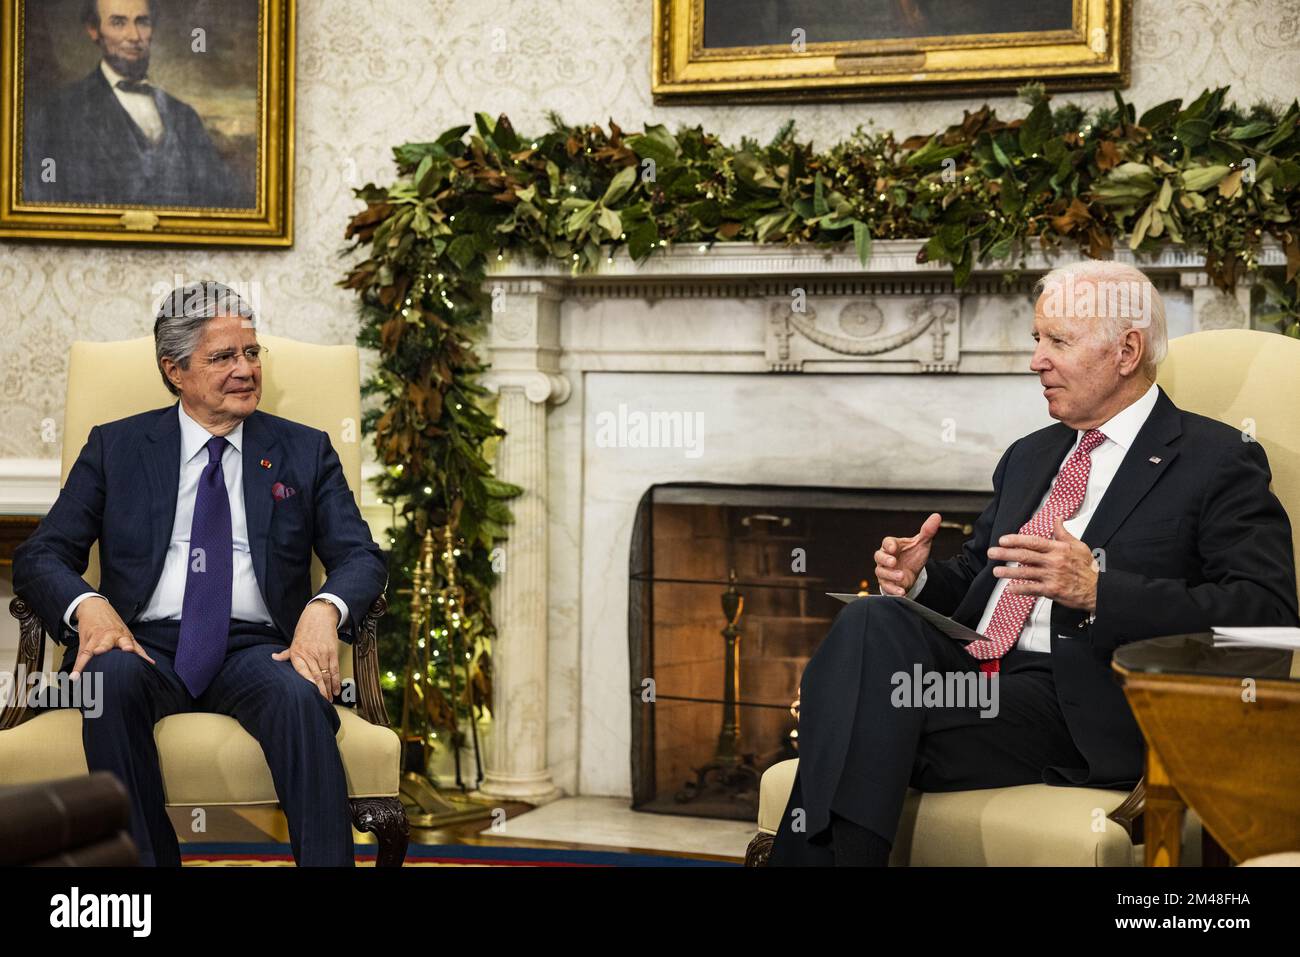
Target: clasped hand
[{"x": 1061, "y": 568}]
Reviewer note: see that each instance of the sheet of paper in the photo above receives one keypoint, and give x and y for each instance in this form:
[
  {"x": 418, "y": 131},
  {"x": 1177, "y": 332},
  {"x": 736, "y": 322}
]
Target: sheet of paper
[
  {"x": 953, "y": 629},
  {"x": 1272, "y": 636}
]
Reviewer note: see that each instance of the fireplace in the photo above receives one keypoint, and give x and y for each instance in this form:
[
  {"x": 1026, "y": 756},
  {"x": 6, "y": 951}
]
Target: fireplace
[{"x": 747, "y": 566}]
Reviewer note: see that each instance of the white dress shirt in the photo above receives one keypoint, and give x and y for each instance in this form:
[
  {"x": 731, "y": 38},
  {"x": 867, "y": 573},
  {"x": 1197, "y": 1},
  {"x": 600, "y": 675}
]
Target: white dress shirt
[
  {"x": 246, "y": 603},
  {"x": 139, "y": 106},
  {"x": 1120, "y": 431}
]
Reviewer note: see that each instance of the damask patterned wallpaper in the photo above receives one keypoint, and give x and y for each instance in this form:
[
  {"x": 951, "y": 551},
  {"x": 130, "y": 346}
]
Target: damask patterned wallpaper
[{"x": 376, "y": 74}]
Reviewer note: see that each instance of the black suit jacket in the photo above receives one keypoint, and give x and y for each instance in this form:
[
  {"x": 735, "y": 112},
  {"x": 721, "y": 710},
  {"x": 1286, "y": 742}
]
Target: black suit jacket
[
  {"x": 122, "y": 492},
  {"x": 1194, "y": 540},
  {"x": 101, "y": 156}
]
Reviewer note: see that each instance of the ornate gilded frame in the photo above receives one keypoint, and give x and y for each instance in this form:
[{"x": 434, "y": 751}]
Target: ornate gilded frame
[
  {"x": 268, "y": 224},
  {"x": 1094, "y": 53}
]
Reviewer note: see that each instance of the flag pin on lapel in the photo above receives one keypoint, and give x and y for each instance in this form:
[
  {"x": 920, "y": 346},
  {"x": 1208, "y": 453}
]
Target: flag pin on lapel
[
  {"x": 266, "y": 463},
  {"x": 1154, "y": 460}
]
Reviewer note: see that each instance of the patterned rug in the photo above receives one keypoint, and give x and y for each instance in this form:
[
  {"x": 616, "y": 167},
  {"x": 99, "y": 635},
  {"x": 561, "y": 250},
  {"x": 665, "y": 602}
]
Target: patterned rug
[{"x": 273, "y": 854}]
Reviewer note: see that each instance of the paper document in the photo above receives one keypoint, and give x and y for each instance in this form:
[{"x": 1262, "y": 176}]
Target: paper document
[
  {"x": 1272, "y": 636},
  {"x": 953, "y": 629}
]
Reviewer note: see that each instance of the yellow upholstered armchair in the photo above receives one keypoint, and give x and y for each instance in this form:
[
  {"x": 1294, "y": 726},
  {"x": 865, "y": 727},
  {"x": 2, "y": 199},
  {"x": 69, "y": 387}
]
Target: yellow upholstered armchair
[
  {"x": 209, "y": 759},
  {"x": 1244, "y": 378}
]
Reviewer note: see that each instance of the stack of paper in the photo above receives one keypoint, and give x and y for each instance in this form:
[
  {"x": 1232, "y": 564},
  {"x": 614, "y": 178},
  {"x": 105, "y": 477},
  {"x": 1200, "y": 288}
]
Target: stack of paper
[{"x": 1263, "y": 637}]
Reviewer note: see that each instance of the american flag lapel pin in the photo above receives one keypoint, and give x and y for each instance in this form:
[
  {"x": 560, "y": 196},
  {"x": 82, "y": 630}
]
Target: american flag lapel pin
[
  {"x": 266, "y": 463},
  {"x": 1154, "y": 460}
]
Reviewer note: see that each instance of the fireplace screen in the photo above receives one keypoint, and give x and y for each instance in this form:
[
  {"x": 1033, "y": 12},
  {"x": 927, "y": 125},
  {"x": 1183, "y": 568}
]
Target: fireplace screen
[{"x": 727, "y": 603}]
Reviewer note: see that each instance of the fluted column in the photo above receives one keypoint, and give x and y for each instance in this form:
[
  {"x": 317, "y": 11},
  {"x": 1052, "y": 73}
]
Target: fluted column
[{"x": 524, "y": 352}]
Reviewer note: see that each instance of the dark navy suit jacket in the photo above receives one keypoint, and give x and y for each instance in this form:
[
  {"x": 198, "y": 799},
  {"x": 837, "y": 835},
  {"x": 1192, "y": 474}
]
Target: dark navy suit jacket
[
  {"x": 122, "y": 492},
  {"x": 1192, "y": 538}
]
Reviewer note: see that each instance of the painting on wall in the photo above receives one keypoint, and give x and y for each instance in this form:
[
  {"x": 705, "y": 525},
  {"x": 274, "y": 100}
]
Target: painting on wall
[
  {"x": 162, "y": 121},
  {"x": 752, "y": 50}
]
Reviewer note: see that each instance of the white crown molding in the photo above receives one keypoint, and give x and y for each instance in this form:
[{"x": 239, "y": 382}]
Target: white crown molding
[{"x": 30, "y": 486}]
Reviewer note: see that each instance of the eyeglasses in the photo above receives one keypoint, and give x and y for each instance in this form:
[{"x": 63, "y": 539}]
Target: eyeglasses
[{"x": 225, "y": 360}]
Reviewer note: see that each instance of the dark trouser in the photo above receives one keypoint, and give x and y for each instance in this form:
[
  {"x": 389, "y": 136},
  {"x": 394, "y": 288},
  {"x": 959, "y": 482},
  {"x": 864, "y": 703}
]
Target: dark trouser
[
  {"x": 859, "y": 750},
  {"x": 283, "y": 711}
]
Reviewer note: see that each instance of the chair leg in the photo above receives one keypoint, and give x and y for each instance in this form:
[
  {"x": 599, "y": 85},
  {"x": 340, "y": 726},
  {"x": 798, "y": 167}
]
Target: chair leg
[
  {"x": 386, "y": 819},
  {"x": 759, "y": 850}
]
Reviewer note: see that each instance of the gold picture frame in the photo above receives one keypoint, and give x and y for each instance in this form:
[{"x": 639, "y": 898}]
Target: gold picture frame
[
  {"x": 182, "y": 175},
  {"x": 690, "y": 67}
]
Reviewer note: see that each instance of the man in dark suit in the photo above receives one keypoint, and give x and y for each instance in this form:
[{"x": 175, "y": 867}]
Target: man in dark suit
[
  {"x": 1127, "y": 519},
  {"x": 113, "y": 137},
  {"x": 206, "y": 513}
]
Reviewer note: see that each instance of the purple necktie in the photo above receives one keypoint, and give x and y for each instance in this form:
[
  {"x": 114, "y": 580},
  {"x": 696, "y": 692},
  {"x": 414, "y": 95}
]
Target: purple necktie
[{"x": 205, "y": 612}]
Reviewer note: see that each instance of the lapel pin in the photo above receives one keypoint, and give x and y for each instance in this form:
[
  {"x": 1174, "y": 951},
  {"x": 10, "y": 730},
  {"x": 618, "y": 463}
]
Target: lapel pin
[
  {"x": 266, "y": 463},
  {"x": 1154, "y": 460}
]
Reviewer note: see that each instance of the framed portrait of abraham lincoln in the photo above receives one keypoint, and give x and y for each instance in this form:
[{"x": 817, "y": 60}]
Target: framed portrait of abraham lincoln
[
  {"x": 808, "y": 50},
  {"x": 147, "y": 121}
]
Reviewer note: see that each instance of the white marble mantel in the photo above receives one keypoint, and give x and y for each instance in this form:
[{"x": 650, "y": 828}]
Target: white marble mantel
[{"x": 885, "y": 376}]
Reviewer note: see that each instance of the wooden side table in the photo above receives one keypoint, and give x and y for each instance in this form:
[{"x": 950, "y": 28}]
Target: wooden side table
[{"x": 1221, "y": 723}]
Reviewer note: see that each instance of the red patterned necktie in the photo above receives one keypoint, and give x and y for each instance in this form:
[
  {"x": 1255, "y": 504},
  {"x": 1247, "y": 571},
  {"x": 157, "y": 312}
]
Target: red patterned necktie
[{"x": 1012, "y": 610}]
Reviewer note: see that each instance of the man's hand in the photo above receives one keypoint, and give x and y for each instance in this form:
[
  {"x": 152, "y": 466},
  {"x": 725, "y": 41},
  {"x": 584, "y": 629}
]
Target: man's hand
[
  {"x": 900, "y": 560},
  {"x": 1061, "y": 568},
  {"x": 100, "y": 629},
  {"x": 314, "y": 650}
]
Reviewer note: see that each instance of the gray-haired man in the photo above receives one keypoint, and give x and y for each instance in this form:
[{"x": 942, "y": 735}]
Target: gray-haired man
[{"x": 207, "y": 513}]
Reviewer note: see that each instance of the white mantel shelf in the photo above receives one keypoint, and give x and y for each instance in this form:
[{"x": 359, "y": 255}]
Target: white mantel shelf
[{"x": 895, "y": 257}]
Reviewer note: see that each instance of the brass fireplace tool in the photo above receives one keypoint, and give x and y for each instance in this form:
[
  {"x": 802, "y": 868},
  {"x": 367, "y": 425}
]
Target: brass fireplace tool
[{"x": 731, "y": 772}]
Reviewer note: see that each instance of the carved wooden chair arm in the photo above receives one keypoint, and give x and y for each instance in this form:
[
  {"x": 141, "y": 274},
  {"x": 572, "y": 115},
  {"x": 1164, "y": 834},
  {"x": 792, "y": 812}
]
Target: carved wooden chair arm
[
  {"x": 1129, "y": 814},
  {"x": 365, "y": 664},
  {"x": 31, "y": 658}
]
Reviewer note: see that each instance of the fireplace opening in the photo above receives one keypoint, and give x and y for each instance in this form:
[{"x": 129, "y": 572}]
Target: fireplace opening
[{"x": 727, "y": 603}]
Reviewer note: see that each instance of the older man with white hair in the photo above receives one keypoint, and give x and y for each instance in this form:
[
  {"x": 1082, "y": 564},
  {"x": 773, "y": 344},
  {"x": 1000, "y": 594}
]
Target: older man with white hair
[{"x": 1127, "y": 519}]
